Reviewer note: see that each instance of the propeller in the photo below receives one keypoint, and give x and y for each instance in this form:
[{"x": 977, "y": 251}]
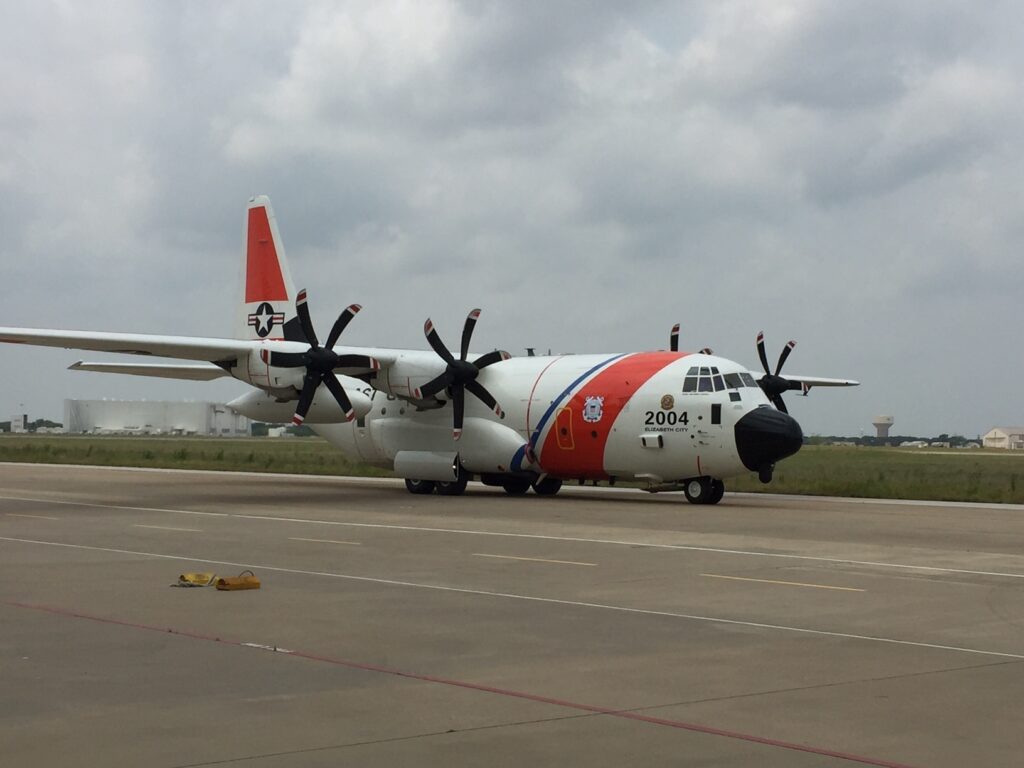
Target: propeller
[
  {"x": 321, "y": 362},
  {"x": 773, "y": 384},
  {"x": 673, "y": 342},
  {"x": 460, "y": 375}
]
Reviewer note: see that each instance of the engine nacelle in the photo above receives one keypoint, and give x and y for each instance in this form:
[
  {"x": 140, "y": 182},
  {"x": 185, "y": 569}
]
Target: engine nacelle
[
  {"x": 261, "y": 406},
  {"x": 403, "y": 377}
]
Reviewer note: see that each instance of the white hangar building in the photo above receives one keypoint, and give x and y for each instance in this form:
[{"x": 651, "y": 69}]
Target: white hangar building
[
  {"x": 153, "y": 417},
  {"x": 1004, "y": 437}
]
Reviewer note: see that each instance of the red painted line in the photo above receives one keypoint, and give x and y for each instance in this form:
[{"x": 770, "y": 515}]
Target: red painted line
[{"x": 592, "y": 708}]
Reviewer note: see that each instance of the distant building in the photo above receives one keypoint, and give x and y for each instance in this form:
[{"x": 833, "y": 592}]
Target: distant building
[
  {"x": 152, "y": 417},
  {"x": 19, "y": 422},
  {"x": 1004, "y": 437}
]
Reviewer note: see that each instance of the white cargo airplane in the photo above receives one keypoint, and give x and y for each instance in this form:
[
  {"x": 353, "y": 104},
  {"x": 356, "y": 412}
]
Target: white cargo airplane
[{"x": 671, "y": 420}]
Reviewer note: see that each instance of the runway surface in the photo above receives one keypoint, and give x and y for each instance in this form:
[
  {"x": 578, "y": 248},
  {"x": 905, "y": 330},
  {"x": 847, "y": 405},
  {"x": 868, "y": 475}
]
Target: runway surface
[{"x": 598, "y": 628}]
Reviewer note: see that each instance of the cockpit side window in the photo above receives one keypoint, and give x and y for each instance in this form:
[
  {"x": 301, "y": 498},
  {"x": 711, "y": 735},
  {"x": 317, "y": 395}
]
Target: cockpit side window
[{"x": 733, "y": 381}]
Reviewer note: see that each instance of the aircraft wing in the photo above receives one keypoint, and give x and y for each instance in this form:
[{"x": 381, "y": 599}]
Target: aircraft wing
[
  {"x": 180, "y": 347},
  {"x": 806, "y": 382},
  {"x": 188, "y": 372}
]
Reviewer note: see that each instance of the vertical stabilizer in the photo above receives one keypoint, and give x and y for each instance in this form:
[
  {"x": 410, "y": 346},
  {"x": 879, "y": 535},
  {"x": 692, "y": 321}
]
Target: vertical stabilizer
[{"x": 268, "y": 293}]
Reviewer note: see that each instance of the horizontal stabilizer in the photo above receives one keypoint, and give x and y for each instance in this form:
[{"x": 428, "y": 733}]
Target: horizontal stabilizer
[{"x": 155, "y": 370}]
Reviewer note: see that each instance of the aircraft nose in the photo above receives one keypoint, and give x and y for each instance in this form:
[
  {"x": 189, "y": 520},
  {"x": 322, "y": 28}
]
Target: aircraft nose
[{"x": 764, "y": 436}]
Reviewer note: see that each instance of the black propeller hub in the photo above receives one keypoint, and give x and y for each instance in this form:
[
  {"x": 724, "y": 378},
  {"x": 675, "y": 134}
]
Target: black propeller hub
[
  {"x": 460, "y": 375},
  {"x": 321, "y": 362},
  {"x": 773, "y": 384},
  {"x": 463, "y": 372}
]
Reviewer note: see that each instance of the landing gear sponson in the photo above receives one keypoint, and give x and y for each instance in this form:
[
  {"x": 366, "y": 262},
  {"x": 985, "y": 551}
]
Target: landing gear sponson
[
  {"x": 513, "y": 485},
  {"x": 699, "y": 490}
]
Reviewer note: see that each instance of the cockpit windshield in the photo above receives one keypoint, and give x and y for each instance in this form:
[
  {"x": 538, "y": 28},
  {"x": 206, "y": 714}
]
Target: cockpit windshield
[{"x": 709, "y": 379}]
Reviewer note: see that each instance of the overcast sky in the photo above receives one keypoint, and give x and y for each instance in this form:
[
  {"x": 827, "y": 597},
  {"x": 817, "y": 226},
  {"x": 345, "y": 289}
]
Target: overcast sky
[{"x": 846, "y": 174}]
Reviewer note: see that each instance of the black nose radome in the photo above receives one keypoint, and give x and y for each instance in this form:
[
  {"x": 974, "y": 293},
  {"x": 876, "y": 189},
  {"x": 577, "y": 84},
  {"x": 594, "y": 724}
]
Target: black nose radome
[{"x": 766, "y": 435}]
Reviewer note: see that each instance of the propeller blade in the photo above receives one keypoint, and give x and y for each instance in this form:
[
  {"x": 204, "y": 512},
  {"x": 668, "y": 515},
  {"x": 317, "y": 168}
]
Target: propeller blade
[
  {"x": 778, "y": 402},
  {"x": 760, "y": 352},
  {"x": 339, "y": 394},
  {"x": 467, "y": 332},
  {"x": 339, "y": 325},
  {"x": 785, "y": 354},
  {"x": 307, "y": 325},
  {"x": 673, "y": 339},
  {"x": 309, "y": 384},
  {"x": 288, "y": 359},
  {"x": 458, "y": 410},
  {"x": 435, "y": 342},
  {"x": 357, "y": 361},
  {"x": 432, "y": 387},
  {"x": 485, "y": 397},
  {"x": 491, "y": 358}
]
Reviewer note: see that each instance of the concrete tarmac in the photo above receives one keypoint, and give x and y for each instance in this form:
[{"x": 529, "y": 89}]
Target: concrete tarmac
[{"x": 598, "y": 627}]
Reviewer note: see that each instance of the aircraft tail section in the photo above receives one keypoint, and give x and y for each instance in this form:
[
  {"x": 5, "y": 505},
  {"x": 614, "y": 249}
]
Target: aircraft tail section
[{"x": 268, "y": 294}]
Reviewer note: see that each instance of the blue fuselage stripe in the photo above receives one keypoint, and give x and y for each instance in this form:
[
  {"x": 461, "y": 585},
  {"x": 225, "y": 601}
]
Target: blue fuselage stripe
[{"x": 557, "y": 402}]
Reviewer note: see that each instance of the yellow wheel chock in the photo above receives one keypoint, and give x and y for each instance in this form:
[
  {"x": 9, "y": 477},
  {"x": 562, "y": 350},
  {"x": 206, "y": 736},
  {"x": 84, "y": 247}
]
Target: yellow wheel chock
[
  {"x": 196, "y": 579},
  {"x": 244, "y": 580}
]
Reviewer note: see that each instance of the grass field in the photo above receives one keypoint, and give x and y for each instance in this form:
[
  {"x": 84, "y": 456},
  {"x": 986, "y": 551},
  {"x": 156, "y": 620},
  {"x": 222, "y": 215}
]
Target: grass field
[
  {"x": 895, "y": 473},
  {"x": 310, "y": 455}
]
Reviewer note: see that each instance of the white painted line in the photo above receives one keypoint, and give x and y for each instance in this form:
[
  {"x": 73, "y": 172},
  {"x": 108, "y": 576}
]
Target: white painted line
[
  {"x": 541, "y": 537},
  {"x": 263, "y": 647},
  {"x": 326, "y": 541},
  {"x": 35, "y": 517},
  {"x": 167, "y": 528},
  {"x": 533, "y": 559},
  {"x": 783, "y": 583},
  {"x": 632, "y": 544},
  {"x": 112, "y": 506},
  {"x": 532, "y": 599}
]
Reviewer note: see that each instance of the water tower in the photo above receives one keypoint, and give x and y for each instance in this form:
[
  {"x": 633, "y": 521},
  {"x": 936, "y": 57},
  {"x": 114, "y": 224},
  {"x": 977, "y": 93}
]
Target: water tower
[{"x": 882, "y": 424}]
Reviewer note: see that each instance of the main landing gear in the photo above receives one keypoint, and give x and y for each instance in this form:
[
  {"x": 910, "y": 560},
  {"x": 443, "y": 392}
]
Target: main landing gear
[
  {"x": 704, "y": 490},
  {"x": 514, "y": 486},
  {"x": 455, "y": 487}
]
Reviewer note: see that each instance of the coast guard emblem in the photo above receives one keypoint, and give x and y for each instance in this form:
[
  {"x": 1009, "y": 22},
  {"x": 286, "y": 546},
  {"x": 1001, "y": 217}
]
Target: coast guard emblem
[
  {"x": 593, "y": 409},
  {"x": 668, "y": 403}
]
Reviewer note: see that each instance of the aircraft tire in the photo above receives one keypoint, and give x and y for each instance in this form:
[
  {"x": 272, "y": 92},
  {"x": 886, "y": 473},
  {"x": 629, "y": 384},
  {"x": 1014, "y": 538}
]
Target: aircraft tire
[
  {"x": 549, "y": 486},
  {"x": 717, "y": 492},
  {"x": 419, "y": 487},
  {"x": 698, "y": 490},
  {"x": 454, "y": 488},
  {"x": 516, "y": 486}
]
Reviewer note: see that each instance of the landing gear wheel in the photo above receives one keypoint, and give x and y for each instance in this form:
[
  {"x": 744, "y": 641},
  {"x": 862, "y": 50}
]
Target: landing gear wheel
[
  {"x": 419, "y": 487},
  {"x": 455, "y": 487},
  {"x": 700, "y": 490},
  {"x": 549, "y": 486},
  {"x": 717, "y": 492},
  {"x": 516, "y": 486}
]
